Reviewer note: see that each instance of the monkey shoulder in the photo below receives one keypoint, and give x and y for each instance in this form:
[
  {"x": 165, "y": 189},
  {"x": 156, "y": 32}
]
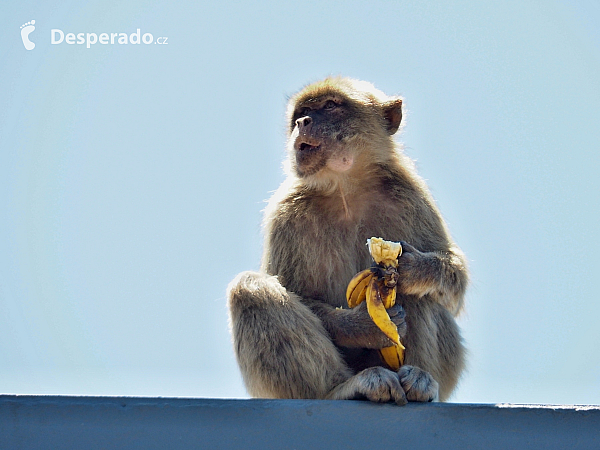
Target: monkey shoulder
[{"x": 410, "y": 207}]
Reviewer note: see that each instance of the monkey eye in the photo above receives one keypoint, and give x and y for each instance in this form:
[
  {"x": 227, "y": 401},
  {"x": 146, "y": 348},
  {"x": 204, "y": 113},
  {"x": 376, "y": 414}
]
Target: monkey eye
[
  {"x": 330, "y": 104},
  {"x": 304, "y": 111}
]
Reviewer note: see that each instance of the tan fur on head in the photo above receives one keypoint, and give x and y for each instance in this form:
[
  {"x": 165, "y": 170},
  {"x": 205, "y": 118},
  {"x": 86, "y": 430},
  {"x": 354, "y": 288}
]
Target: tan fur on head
[{"x": 364, "y": 139}]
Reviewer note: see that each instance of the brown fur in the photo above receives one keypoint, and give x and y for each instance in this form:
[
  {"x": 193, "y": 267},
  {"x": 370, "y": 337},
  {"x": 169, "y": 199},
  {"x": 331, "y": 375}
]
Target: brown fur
[{"x": 293, "y": 334}]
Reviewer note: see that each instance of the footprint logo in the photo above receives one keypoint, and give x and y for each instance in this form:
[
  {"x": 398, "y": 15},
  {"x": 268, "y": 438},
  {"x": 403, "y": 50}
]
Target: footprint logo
[{"x": 26, "y": 29}]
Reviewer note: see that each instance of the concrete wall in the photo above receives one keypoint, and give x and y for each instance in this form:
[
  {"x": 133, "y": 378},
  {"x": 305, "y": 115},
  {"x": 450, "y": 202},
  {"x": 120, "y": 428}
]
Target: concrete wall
[{"x": 165, "y": 423}]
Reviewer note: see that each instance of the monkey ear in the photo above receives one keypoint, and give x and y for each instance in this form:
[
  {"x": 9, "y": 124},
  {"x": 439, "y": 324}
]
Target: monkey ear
[{"x": 392, "y": 112}]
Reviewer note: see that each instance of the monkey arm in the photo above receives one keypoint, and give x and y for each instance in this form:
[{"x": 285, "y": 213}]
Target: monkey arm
[
  {"x": 441, "y": 275},
  {"x": 354, "y": 327}
]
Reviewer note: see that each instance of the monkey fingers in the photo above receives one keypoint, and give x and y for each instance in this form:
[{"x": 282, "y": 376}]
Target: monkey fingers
[
  {"x": 407, "y": 248},
  {"x": 397, "y": 316},
  {"x": 396, "y": 313},
  {"x": 368, "y": 334}
]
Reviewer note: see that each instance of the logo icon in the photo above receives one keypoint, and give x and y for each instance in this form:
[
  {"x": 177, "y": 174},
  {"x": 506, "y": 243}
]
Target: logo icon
[{"x": 26, "y": 29}]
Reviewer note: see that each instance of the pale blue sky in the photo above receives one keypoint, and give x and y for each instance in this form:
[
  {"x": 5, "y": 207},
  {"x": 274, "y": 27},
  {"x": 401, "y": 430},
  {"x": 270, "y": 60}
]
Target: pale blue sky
[{"x": 124, "y": 167}]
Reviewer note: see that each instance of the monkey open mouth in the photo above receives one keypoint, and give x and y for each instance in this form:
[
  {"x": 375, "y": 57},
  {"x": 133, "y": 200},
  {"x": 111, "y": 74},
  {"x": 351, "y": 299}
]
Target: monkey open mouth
[
  {"x": 309, "y": 156},
  {"x": 307, "y": 144},
  {"x": 305, "y": 147}
]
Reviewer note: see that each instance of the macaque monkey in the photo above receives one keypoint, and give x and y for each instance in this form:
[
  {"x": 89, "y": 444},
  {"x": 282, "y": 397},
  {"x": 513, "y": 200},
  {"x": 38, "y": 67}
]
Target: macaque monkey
[{"x": 347, "y": 180}]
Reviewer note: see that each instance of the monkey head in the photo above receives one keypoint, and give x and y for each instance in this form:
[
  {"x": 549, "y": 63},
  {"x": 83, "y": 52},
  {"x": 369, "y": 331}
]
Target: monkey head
[{"x": 340, "y": 125}]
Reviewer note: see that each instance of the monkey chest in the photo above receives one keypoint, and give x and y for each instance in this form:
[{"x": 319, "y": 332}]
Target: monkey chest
[
  {"x": 316, "y": 250},
  {"x": 317, "y": 259}
]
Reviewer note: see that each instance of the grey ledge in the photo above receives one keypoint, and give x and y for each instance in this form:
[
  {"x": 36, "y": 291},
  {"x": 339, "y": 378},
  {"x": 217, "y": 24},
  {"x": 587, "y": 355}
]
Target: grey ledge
[{"x": 56, "y": 422}]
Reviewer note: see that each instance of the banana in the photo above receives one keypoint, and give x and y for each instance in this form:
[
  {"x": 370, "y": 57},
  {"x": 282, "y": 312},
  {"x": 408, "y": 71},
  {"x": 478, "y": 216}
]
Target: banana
[
  {"x": 356, "y": 292},
  {"x": 385, "y": 253},
  {"x": 388, "y": 296},
  {"x": 378, "y": 312},
  {"x": 378, "y": 287},
  {"x": 393, "y": 356}
]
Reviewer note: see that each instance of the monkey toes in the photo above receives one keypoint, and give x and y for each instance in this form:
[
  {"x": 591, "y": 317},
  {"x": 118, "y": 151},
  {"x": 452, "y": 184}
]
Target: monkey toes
[
  {"x": 418, "y": 384},
  {"x": 381, "y": 385}
]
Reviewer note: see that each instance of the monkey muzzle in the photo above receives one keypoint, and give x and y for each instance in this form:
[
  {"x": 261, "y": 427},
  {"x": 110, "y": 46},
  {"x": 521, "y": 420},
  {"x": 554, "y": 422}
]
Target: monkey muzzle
[
  {"x": 310, "y": 155},
  {"x": 306, "y": 142}
]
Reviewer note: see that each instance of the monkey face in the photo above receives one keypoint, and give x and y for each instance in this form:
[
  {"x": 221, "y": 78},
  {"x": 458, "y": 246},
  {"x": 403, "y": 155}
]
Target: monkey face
[
  {"x": 337, "y": 124},
  {"x": 318, "y": 136}
]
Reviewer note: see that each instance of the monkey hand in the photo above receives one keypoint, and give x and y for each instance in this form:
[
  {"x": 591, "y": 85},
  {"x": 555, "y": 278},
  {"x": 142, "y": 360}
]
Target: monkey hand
[
  {"x": 439, "y": 274},
  {"x": 369, "y": 335},
  {"x": 377, "y": 288},
  {"x": 416, "y": 271},
  {"x": 397, "y": 315}
]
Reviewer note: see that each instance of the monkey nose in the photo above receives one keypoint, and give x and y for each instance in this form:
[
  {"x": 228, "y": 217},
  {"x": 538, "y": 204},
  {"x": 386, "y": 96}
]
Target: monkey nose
[{"x": 303, "y": 121}]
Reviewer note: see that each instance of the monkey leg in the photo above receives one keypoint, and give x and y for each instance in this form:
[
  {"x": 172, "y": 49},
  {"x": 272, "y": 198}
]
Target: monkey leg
[
  {"x": 284, "y": 351},
  {"x": 281, "y": 346},
  {"x": 434, "y": 350}
]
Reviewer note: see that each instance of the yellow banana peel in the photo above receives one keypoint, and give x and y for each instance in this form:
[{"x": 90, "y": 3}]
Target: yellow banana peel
[
  {"x": 378, "y": 287},
  {"x": 357, "y": 288}
]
